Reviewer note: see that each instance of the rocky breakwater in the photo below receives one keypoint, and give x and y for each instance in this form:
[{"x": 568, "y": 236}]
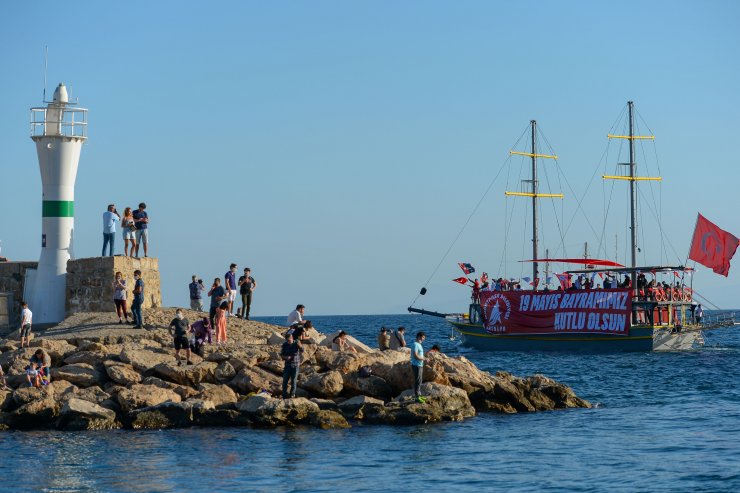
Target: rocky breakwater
[{"x": 132, "y": 381}]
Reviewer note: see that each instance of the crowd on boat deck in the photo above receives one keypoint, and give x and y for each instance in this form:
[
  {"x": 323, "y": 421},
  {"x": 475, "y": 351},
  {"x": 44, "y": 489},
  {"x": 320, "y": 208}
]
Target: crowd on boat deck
[{"x": 646, "y": 290}]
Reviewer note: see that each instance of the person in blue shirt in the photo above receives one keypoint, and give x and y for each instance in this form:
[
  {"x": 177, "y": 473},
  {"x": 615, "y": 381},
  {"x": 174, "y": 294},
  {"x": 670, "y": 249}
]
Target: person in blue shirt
[
  {"x": 417, "y": 364},
  {"x": 141, "y": 221},
  {"x": 110, "y": 217},
  {"x": 138, "y": 300}
]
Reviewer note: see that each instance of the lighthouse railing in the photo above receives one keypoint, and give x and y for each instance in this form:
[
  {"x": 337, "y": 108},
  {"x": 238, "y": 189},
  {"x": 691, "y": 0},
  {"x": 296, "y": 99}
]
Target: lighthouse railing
[{"x": 69, "y": 122}]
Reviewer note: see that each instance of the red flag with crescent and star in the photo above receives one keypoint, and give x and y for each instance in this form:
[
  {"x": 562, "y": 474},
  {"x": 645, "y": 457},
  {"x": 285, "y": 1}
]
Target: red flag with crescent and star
[{"x": 712, "y": 247}]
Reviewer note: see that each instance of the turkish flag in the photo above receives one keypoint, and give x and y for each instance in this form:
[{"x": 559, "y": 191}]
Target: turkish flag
[
  {"x": 461, "y": 280},
  {"x": 712, "y": 247}
]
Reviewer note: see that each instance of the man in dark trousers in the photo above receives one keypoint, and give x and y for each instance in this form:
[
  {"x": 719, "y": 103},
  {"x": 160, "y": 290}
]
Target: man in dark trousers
[
  {"x": 291, "y": 354},
  {"x": 417, "y": 364},
  {"x": 138, "y": 300}
]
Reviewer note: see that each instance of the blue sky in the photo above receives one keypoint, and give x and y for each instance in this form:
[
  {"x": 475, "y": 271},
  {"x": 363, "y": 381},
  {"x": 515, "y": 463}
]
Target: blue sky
[{"x": 337, "y": 147}]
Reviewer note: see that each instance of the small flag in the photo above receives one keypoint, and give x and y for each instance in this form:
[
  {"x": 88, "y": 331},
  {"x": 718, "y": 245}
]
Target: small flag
[
  {"x": 549, "y": 279},
  {"x": 461, "y": 280},
  {"x": 675, "y": 273},
  {"x": 527, "y": 279},
  {"x": 564, "y": 281},
  {"x": 535, "y": 282},
  {"x": 467, "y": 268},
  {"x": 712, "y": 247},
  {"x": 484, "y": 277}
]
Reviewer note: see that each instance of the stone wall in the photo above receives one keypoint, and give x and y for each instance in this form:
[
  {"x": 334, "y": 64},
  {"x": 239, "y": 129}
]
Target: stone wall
[
  {"x": 90, "y": 282},
  {"x": 12, "y": 281}
]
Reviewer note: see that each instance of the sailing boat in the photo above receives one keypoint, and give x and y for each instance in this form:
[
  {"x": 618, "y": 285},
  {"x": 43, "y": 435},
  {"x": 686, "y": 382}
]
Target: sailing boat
[{"x": 631, "y": 316}]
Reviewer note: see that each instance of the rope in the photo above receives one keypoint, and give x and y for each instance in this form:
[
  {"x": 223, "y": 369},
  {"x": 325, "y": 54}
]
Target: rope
[{"x": 475, "y": 209}]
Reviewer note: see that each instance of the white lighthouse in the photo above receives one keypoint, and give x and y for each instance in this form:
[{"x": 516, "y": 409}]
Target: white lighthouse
[{"x": 59, "y": 130}]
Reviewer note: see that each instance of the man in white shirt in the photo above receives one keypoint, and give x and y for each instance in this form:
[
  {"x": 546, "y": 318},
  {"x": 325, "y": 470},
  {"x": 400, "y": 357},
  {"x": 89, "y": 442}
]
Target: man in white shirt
[
  {"x": 26, "y": 320},
  {"x": 296, "y": 316},
  {"x": 110, "y": 217}
]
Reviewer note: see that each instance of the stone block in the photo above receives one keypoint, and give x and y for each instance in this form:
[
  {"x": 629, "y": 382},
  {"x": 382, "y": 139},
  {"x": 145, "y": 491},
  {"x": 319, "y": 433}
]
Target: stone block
[{"x": 90, "y": 282}]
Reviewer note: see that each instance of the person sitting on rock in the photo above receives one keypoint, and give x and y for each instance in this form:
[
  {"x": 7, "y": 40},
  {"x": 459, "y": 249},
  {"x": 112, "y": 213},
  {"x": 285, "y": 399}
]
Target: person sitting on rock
[
  {"x": 33, "y": 374},
  {"x": 291, "y": 354},
  {"x": 42, "y": 362},
  {"x": 341, "y": 344},
  {"x": 202, "y": 332},
  {"x": 435, "y": 349},
  {"x": 300, "y": 331},
  {"x": 384, "y": 339},
  {"x": 398, "y": 340},
  {"x": 179, "y": 330}
]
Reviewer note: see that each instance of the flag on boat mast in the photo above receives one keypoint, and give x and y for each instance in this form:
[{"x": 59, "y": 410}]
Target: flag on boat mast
[{"x": 712, "y": 246}]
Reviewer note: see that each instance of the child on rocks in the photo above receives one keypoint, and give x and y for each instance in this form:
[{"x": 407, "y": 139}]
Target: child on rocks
[
  {"x": 179, "y": 330},
  {"x": 220, "y": 322}
]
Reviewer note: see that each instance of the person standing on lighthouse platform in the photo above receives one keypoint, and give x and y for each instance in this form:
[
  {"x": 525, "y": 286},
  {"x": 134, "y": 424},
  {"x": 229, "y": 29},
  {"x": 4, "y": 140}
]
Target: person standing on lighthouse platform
[
  {"x": 141, "y": 221},
  {"x": 110, "y": 217}
]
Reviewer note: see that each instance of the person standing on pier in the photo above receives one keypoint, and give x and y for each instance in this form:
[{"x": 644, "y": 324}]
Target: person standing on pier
[
  {"x": 141, "y": 221},
  {"x": 417, "y": 364},
  {"x": 110, "y": 217}
]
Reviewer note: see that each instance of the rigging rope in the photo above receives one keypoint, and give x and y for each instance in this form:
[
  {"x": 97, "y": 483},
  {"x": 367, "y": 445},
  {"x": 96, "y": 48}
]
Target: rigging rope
[{"x": 475, "y": 209}]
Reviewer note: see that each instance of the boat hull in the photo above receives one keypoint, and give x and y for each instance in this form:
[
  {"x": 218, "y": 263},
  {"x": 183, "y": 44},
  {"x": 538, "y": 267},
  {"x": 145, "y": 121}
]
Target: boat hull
[{"x": 639, "y": 339}]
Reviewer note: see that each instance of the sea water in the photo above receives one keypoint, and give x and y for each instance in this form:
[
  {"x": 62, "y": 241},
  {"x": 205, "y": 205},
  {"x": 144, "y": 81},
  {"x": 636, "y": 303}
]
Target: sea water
[{"x": 661, "y": 422}]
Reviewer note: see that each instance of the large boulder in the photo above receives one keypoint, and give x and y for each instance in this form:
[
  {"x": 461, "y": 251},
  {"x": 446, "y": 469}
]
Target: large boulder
[
  {"x": 144, "y": 360},
  {"x": 122, "y": 373},
  {"x": 561, "y": 395},
  {"x": 78, "y": 414},
  {"x": 187, "y": 374},
  {"x": 40, "y": 413},
  {"x": 80, "y": 374},
  {"x": 168, "y": 415},
  {"x": 255, "y": 379},
  {"x": 327, "y": 384},
  {"x": 55, "y": 348},
  {"x": 24, "y": 395},
  {"x": 463, "y": 374},
  {"x": 335, "y": 360},
  {"x": 328, "y": 420},
  {"x": 219, "y": 395},
  {"x": 93, "y": 394},
  {"x": 400, "y": 376},
  {"x": 139, "y": 395},
  {"x": 183, "y": 391},
  {"x": 93, "y": 358},
  {"x": 358, "y": 406},
  {"x": 267, "y": 411},
  {"x": 442, "y": 403},
  {"x": 6, "y": 399},
  {"x": 224, "y": 372},
  {"x": 372, "y": 386}
]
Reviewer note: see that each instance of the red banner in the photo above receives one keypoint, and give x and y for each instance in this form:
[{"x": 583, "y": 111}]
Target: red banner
[
  {"x": 712, "y": 247},
  {"x": 590, "y": 311}
]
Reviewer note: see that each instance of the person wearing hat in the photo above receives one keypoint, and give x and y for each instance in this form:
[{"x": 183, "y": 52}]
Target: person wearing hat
[{"x": 196, "y": 298}]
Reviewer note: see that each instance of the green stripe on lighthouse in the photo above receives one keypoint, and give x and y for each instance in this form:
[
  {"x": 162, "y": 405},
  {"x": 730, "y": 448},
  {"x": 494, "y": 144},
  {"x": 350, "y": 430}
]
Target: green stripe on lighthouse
[{"x": 58, "y": 208}]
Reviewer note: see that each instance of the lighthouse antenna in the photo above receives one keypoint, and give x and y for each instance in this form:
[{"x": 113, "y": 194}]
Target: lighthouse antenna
[{"x": 46, "y": 67}]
